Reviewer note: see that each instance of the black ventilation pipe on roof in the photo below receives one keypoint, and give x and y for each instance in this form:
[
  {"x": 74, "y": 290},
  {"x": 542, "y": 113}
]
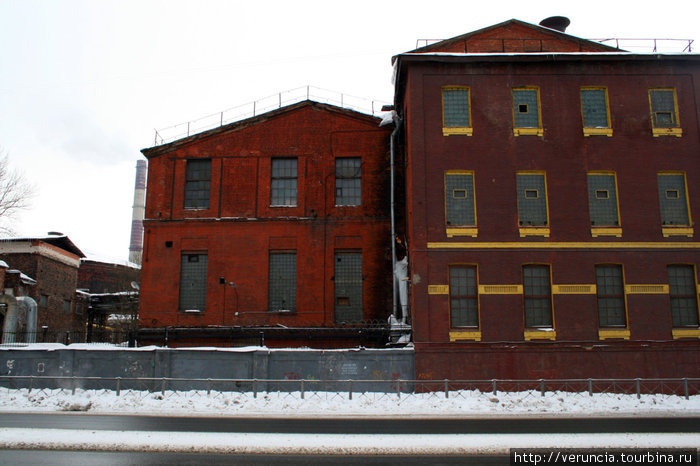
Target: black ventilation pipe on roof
[{"x": 559, "y": 23}]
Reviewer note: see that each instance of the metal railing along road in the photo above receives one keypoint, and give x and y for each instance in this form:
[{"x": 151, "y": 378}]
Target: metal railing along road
[
  {"x": 266, "y": 104},
  {"x": 399, "y": 388}
]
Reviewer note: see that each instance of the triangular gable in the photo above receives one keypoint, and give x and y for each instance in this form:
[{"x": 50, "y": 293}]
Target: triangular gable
[{"x": 515, "y": 36}]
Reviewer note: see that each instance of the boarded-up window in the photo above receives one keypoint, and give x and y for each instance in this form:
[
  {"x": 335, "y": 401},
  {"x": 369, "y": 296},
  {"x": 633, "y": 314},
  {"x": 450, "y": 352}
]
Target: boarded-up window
[
  {"x": 459, "y": 199},
  {"x": 526, "y": 112},
  {"x": 193, "y": 282},
  {"x": 602, "y": 199},
  {"x": 348, "y": 181},
  {"x": 282, "y": 293},
  {"x": 283, "y": 184},
  {"x": 464, "y": 300},
  {"x": 537, "y": 296},
  {"x": 684, "y": 295},
  {"x": 455, "y": 107},
  {"x": 348, "y": 287},
  {"x": 611, "y": 296},
  {"x": 197, "y": 184},
  {"x": 672, "y": 199},
  {"x": 532, "y": 199},
  {"x": 594, "y": 107}
]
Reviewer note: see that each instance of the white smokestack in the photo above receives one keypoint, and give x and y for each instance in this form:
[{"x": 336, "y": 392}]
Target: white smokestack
[{"x": 136, "y": 244}]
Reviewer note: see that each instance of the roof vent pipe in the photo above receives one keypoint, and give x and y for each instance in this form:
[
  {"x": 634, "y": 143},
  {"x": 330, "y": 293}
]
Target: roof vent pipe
[{"x": 559, "y": 23}]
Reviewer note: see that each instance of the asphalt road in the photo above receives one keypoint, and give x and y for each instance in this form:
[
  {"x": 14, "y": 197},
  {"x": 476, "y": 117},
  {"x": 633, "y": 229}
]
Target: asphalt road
[{"x": 349, "y": 425}]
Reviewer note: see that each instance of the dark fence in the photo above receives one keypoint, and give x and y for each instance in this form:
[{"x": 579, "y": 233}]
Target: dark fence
[
  {"x": 116, "y": 337},
  {"x": 685, "y": 387}
]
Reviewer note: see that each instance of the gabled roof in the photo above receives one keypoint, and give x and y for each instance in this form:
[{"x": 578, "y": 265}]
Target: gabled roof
[
  {"x": 151, "y": 152},
  {"x": 514, "y": 36},
  {"x": 60, "y": 241}
]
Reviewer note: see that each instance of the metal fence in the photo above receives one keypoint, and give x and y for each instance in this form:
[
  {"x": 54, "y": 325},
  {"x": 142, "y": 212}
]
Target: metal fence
[
  {"x": 116, "y": 337},
  {"x": 398, "y": 388}
]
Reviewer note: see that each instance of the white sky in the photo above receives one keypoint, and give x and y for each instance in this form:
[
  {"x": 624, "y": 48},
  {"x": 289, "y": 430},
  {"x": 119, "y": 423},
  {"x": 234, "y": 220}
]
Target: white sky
[{"x": 84, "y": 83}]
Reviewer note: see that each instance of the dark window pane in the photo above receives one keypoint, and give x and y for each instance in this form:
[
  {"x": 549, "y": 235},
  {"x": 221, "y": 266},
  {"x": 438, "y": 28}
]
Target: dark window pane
[
  {"x": 525, "y": 108},
  {"x": 602, "y": 200},
  {"x": 532, "y": 201},
  {"x": 464, "y": 307},
  {"x": 348, "y": 181},
  {"x": 594, "y": 108},
  {"x": 459, "y": 199},
  {"x": 683, "y": 293},
  {"x": 456, "y": 108},
  {"x": 663, "y": 108},
  {"x": 197, "y": 184},
  {"x": 193, "y": 282},
  {"x": 611, "y": 300},
  {"x": 282, "y": 293},
  {"x": 672, "y": 200},
  {"x": 537, "y": 296},
  {"x": 348, "y": 287},
  {"x": 284, "y": 182}
]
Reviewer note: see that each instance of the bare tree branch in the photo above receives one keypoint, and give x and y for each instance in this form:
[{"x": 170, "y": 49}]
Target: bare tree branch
[{"x": 15, "y": 193}]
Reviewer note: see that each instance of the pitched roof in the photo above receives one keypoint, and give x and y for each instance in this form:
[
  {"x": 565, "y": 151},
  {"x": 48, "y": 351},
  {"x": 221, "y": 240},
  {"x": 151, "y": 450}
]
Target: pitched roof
[
  {"x": 514, "y": 36},
  {"x": 60, "y": 241},
  {"x": 151, "y": 152}
]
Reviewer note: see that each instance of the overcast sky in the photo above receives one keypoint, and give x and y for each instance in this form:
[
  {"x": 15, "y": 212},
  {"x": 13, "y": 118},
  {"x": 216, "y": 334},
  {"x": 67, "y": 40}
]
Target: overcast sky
[{"x": 83, "y": 84}]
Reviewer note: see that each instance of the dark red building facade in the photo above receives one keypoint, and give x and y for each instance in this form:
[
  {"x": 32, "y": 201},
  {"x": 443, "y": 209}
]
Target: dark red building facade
[
  {"x": 551, "y": 187},
  {"x": 274, "y": 229}
]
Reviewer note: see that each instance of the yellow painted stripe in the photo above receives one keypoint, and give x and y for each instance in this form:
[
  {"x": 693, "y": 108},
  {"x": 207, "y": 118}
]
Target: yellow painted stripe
[
  {"x": 646, "y": 289},
  {"x": 573, "y": 289},
  {"x": 438, "y": 289},
  {"x": 562, "y": 245}
]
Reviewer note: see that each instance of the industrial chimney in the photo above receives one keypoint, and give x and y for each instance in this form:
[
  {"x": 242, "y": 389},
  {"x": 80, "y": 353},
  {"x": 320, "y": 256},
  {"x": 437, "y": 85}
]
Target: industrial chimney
[
  {"x": 558, "y": 23},
  {"x": 139, "y": 210}
]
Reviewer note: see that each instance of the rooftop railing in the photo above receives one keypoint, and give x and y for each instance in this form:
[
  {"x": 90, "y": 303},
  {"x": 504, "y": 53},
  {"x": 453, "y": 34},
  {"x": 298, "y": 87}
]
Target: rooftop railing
[
  {"x": 266, "y": 104},
  {"x": 630, "y": 45}
]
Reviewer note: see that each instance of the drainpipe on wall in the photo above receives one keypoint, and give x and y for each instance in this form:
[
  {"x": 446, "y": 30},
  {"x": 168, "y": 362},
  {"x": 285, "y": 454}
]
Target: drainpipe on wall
[{"x": 392, "y": 117}]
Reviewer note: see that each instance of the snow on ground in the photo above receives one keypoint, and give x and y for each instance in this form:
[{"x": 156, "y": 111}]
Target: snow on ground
[{"x": 459, "y": 403}]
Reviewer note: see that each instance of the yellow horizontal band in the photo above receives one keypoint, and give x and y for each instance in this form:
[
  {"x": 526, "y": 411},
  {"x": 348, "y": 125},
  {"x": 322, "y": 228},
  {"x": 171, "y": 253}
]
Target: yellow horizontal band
[
  {"x": 686, "y": 332},
  {"x": 473, "y": 335},
  {"x": 623, "y": 333},
  {"x": 458, "y": 130},
  {"x": 562, "y": 245},
  {"x": 598, "y": 132},
  {"x": 500, "y": 289},
  {"x": 438, "y": 289},
  {"x": 540, "y": 335},
  {"x": 646, "y": 289},
  {"x": 573, "y": 289}
]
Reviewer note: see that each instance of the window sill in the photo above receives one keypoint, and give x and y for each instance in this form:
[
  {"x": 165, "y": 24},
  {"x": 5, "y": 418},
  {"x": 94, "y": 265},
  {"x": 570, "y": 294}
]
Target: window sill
[
  {"x": 474, "y": 335},
  {"x": 548, "y": 334},
  {"x": 528, "y": 131},
  {"x": 457, "y": 131},
  {"x": 677, "y": 231},
  {"x": 685, "y": 333},
  {"x": 677, "y": 132},
  {"x": 283, "y": 311},
  {"x": 620, "y": 334},
  {"x": 596, "y": 232},
  {"x": 598, "y": 132},
  {"x": 467, "y": 231},
  {"x": 192, "y": 311},
  {"x": 287, "y": 206},
  {"x": 534, "y": 231}
]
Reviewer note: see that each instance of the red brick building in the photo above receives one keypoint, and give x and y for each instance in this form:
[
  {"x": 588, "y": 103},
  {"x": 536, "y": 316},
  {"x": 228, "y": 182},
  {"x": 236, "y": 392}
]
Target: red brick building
[
  {"x": 551, "y": 187},
  {"x": 275, "y": 227}
]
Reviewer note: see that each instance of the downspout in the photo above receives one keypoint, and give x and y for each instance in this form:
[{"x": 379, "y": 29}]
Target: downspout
[
  {"x": 397, "y": 121},
  {"x": 31, "y": 315}
]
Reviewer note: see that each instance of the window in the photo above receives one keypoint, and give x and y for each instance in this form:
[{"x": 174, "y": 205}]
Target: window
[
  {"x": 602, "y": 200},
  {"x": 532, "y": 200},
  {"x": 348, "y": 181},
  {"x": 197, "y": 184},
  {"x": 664, "y": 112},
  {"x": 43, "y": 300},
  {"x": 672, "y": 199},
  {"x": 456, "y": 111},
  {"x": 537, "y": 295},
  {"x": 464, "y": 302},
  {"x": 611, "y": 296},
  {"x": 684, "y": 295},
  {"x": 282, "y": 291},
  {"x": 193, "y": 282},
  {"x": 284, "y": 182},
  {"x": 460, "y": 208},
  {"x": 66, "y": 305},
  {"x": 348, "y": 287},
  {"x": 595, "y": 111},
  {"x": 526, "y": 112}
]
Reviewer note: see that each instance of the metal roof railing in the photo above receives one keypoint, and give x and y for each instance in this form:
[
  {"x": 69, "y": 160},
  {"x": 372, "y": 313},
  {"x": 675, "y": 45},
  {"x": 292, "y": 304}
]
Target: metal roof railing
[
  {"x": 266, "y": 104},
  {"x": 639, "y": 45}
]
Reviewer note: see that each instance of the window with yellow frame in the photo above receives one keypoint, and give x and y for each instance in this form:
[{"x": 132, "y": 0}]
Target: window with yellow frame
[
  {"x": 595, "y": 111},
  {"x": 673, "y": 204},
  {"x": 527, "y": 118},
  {"x": 456, "y": 111},
  {"x": 460, "y": 205},
  {"x": 663, "y": 104}
]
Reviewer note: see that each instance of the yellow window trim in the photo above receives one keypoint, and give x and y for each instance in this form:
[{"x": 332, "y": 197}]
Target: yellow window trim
[
  {"x": 622, "y": 333},
  {"x": 685, "y": 333},
  {"x": 677, "y": 132},
  {"x": 474, "y": 335},
  {"x": 528, "y": 131},
  {"x": 534, "y": 231},
  {"x": 677, "y": 231},
  {"x": 540, "y": 335},
  {"x": 448, "y": 131},
  {"x": 500, "y": 289},
  {"x": 452, "y": 232},
  {"x": 598, "y": 132},
  {"x": 574, "y": 289},
  {"x": 438, "y": 289},
  {"x": 604, "y": 231},
  {"x": 646, "y": 289}
]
